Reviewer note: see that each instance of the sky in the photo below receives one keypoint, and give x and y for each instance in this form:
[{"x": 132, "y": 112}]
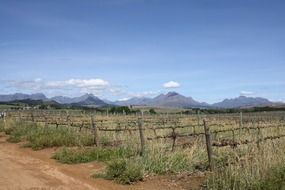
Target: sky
[{"x": 118, "y": 49}]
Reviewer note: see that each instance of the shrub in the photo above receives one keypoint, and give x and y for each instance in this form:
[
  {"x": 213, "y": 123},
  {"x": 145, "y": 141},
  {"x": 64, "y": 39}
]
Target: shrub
[{"x": 125, "y": 172}]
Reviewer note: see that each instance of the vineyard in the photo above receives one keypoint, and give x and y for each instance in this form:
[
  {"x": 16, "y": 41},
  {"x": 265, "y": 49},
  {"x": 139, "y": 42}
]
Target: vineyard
[{"x": 159, "y": 144}]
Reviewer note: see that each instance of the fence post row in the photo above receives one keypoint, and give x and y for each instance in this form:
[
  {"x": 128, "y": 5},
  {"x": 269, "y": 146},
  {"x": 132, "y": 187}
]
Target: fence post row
[{"x": 208, "y": 144}]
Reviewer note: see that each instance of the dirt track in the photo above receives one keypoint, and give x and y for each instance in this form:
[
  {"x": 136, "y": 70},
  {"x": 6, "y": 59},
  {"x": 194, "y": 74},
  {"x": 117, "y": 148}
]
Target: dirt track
[{"x": 24, "y": 169}]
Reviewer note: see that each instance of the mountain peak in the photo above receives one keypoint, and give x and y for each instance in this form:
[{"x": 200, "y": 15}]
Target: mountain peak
[
  {"x": 243, "y": 101},
  {"x": 169, "y": 94}
]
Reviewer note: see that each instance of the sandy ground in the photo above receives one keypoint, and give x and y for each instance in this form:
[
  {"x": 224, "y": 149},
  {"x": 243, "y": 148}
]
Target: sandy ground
[{"x": 24, "y": 169}]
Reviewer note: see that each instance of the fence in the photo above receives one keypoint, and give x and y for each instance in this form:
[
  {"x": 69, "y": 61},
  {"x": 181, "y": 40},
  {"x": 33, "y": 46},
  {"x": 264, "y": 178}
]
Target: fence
[{"x": 178, "y": 127}]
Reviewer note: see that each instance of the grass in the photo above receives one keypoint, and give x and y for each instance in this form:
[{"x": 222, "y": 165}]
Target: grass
[
  {"x": 83, "y": 155},
  {"x": 124, "y": 171},
  {"x": 251, "y": 168},
  {"x": 2, "y": 125},
  {"x": 39, "y": 137},
  {"x": 245, "y": 167},
  {"x": 126, "y": 166}
]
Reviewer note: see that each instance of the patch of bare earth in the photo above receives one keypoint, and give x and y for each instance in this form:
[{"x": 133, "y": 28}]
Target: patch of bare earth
[{"x": 25, "y": 169}]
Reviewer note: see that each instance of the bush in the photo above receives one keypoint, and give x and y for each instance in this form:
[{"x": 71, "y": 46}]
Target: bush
[
  {"x": 125, "y": 172},
  {"x": 18, "y": 132}
]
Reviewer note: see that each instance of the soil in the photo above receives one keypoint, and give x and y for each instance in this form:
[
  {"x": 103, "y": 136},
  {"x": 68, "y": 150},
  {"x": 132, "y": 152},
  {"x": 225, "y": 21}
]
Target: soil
[{"x": 25, "y": 169}]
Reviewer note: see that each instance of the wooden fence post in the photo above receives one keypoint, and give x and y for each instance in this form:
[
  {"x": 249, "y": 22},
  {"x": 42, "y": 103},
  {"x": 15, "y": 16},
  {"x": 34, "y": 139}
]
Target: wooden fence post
[
  {"x": 208, "y": 144},
  {"x": 4, "y": 118},
  {"x": 259, "y": 137},
  {"x": 81, "y": 126},
  {"x": 46, "y": 121},
  {"x": 240, "y": 124},
  {"x": 94, "y": 127},
  {"x": 233, "y": 133},
  {"x": 198, "y": 117},
  {"x": 33, "y": 118},
  {"x": 173, "y": 138},
  {"x": 140, "y": 125},
  {"x": 68, "y": 120}
]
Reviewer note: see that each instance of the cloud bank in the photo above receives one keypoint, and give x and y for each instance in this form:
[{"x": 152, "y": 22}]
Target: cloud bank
[
  {"x": 247, "y": 93},
  {"x": 171, "y": 84}
]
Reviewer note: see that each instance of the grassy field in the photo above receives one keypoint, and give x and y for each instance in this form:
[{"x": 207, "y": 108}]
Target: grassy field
[{"x": 170, "y": 146}]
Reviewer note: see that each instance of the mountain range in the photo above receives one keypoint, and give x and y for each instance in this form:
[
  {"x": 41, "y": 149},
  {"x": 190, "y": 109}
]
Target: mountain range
[{"x": 171, "y": 100}]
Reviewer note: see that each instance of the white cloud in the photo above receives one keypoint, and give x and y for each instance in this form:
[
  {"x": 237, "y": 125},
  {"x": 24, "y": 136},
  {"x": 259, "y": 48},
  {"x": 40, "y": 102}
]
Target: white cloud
[
  {"x": 95, "y": 86},
  {"x": 171, "y": 84},
  {"x": 144, "y": 94},
  {"x": 70, "y": 87},
  {"x": 91, "y": 84},
  {"x": 123, "y": 99},
  {"x": 246, "y": 93}
]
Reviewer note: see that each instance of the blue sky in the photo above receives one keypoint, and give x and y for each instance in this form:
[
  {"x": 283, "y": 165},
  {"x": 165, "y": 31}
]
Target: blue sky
[{"x": 118, "y": 49}]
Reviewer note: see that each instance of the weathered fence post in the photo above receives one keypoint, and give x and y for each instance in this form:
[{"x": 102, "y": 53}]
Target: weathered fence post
[
  {"x": 140, "y": 125},
  {"x": 94, "y": 127},
  {"x": 240, "y": 124},
  {"x": 208, "y": 144},
  {"x": 33, "y": 117},
  {"x": 4, "y": 118},
  {"x": 198, "y": 117},
  {"x": 68, "y": 120},
  {"x": 233, "y": 133},
  {"x": 46, "y": 121},
  {"x": 259, "y": 137},
  {"x": 81, "y": 126},
  {"x": 173, "y": 138}
]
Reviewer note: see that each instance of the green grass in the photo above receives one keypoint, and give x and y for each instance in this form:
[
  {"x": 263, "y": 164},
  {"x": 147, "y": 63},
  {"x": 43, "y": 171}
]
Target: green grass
[
  {"x": 274, "y": 179},
  {"x": 39, "y": 137},
  {"x": 228, "y": 179},
  {"x": 124, "y": 171},
  {"x": 1, "y": 125},
  {"x": 250, "y": 168},
  {"x": 83, "y": 155},
  {"x": 161, "y": 163}
]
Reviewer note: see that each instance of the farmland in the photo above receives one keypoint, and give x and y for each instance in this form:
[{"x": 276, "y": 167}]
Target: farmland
[{"x": 241, "y": 150}]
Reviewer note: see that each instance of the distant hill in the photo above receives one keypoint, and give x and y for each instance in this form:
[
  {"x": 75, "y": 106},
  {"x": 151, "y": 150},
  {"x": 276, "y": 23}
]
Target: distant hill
[
  {"x": 138, "y": 101},
  {"x": 20, "y": 96},
  {"x": 68, "y": 100},
  {"x": 242, "y": 101},
  {"x": 171, "y": 100},
  {"x": 90, "y": 100},
  {"x": 31, "y": 102}
]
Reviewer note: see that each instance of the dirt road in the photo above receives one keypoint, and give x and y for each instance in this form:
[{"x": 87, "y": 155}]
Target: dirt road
[{"x": 24, "y": 169}]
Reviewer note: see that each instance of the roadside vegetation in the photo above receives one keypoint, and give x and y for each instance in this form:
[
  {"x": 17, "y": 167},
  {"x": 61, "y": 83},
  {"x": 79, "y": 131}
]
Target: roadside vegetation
[
  {"x": 250, "y": 168},
  {"x": 244, "y": 167},
  {"x": 39, "y": 137}
]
